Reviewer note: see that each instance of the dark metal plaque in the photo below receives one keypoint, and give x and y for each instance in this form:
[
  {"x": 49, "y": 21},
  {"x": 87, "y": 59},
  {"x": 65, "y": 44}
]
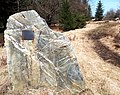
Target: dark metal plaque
[{"x": 27, "y": 35}]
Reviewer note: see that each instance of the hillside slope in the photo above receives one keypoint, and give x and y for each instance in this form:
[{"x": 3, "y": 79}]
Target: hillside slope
[
  {"x": 102, "y": 77},
  {"x": 97, "y": 57}
]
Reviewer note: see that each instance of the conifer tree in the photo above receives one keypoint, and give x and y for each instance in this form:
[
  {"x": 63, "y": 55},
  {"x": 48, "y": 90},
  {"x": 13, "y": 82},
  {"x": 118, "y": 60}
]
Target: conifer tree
[
  {"x": 65, "y": 17},
  {"x": 99, "y": 11},
  {"x": 89, "y": 13},
  {"x": 68, "y": 19}
]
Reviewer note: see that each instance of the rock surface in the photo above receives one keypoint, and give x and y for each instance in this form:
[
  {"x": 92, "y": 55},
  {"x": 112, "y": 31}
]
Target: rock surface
[{"x": 45, "y": 62}]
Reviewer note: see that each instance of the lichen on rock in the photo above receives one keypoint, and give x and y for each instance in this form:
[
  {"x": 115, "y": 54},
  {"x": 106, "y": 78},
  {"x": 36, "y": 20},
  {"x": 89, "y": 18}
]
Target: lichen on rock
[{"x": 47, "y": 61}]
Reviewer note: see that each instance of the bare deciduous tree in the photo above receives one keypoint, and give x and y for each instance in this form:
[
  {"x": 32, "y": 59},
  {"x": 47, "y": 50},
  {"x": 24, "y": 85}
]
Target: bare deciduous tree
[
  {"x": 48, "y": 9},
  {"x": 110, "y": 15},
  {"x": 117, "y": 14}
]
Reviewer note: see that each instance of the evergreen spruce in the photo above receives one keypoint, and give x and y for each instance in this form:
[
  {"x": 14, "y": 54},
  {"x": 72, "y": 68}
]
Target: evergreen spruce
[
  {"x": 66, "y": 20},
  {"x": 70, "y": 20},
  {"x": 89, "y": 12},
  {"x": 99, "y": 11}
]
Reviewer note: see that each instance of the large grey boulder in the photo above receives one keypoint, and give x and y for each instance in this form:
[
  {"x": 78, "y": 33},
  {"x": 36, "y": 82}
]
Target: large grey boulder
[{"x": 37, "y": 57}]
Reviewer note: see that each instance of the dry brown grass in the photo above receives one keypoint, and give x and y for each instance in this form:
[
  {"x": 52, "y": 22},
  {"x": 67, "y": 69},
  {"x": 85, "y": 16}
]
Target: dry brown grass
[
  {"x": 1, "y": 39},
  {"x": 3, "y": 72},
  {"x": 6, "y": 87},
  {"x": 3, "y": 61},
  {"x": 100, "y": 75},
  {"x": 2, "y": 57}
]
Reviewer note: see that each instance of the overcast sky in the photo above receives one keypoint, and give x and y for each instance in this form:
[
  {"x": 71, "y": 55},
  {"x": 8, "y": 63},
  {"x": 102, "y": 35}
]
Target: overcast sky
[{"x": 107, "y": 5}]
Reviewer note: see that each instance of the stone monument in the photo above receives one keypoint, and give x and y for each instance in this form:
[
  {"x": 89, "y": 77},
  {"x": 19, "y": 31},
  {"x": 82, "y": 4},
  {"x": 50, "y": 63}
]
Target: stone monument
[{"x": 37, "y": 57}]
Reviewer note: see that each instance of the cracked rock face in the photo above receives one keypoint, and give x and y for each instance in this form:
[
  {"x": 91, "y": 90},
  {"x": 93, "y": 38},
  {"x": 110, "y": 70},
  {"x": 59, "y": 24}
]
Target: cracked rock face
[{"x": 37, "y": 57}]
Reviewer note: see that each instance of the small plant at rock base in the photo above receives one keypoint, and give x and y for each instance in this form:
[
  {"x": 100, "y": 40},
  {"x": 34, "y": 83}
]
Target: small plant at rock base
[{"x": 3, "y": 61}]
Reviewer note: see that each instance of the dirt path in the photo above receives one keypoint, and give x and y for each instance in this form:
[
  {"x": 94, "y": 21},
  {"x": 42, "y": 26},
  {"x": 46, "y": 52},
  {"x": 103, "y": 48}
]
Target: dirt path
[{"x": 101, "y": 77}]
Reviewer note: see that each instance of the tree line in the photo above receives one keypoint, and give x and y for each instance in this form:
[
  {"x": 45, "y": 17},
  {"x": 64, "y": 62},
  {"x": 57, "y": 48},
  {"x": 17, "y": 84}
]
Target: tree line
[
  {"x": 53, "y": 11},
  {"x": 69, "y": 14},
  {"x": 112, "y": 14}
]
